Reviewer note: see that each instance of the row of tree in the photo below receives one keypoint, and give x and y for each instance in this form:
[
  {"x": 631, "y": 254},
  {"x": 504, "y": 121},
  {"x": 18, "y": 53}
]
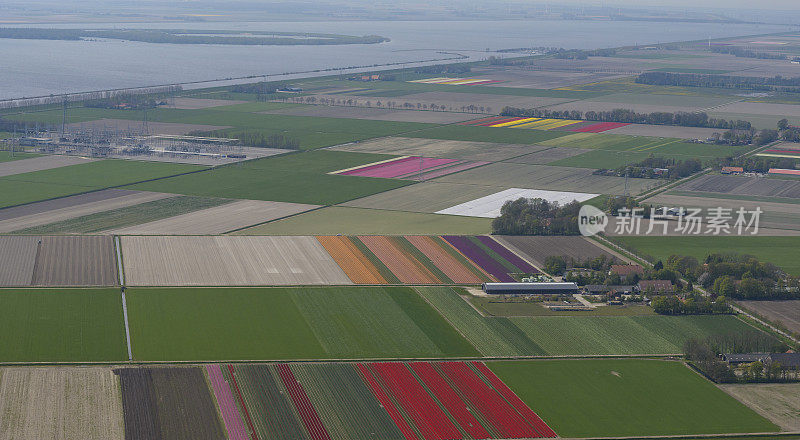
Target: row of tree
[
  {"x": 656, "y": 168},
  {"x": 684, "y": 119},
  {"x": 747, "y": 53},
  {"x": 791, "y": 84},
  {"x": 352, "y": 102},
  {"x": 256, "y": 139},
  {"x": 692, "y": 304}
]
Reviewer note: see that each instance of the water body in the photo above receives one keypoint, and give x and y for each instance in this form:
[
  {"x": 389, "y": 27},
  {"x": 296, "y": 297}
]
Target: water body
[{"x": 43, "y": 67}]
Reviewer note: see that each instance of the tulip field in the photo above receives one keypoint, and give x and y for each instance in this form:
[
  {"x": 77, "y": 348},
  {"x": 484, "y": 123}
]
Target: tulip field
[
  {"x": 387, "y": 400},
  {"x": 456, "y": 81},
  {"x": 573, "y": 125},
  {"x": 378, "y": 259}
]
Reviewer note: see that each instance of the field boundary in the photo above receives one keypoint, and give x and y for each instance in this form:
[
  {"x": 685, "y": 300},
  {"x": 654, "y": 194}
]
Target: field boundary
[
  {"x": 674, "y": 357},
  {"x": 127, "y": 327}
]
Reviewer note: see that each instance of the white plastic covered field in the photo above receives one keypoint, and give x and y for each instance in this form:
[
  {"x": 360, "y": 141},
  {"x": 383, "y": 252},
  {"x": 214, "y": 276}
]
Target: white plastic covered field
[{"x": 489, "y": 206}]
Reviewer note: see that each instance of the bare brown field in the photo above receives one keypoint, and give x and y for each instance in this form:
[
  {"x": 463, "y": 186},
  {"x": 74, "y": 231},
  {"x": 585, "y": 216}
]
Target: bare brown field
[
  {"x": 217, "y": 220},
  {"x": 514, "y": 175},
  {"x": 17, "y": 260},
  {"x": 549, "y": 155},
  {"x": 201, "y": 103},
  {"x": 786, "y": 313},
  {"x": 424, "y": 197},
  {"x": 537, "y": 249},
  {"x": 60, "y": 403},
  {"x": 135, "y": 126},
  {"x": 665, "y": 131},
  {"x": 465, "y": 150},
  {"x": 76, "y": 261},
  {"x": 39, "y": 164},
  {"x": 37, "y": 214},
  {"x": 228, "y": 261},
  {"x": 371, "y": 113},
  {"x": 743, "y": 186},
  {"x": 778, "y": 402}
]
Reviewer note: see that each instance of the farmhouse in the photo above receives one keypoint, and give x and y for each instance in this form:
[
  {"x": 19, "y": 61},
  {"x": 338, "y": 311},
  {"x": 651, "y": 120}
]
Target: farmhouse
[
  {"x": 596, "y": 289},
  {"x": 656, "y": 286},
  {"x": 732, "y": 170},
  {"x": 530, "y": 288},
  {"x": 735, "y": 359},
  {"x": 626, "y": 270},
  {"x": 788, "y": 362}
]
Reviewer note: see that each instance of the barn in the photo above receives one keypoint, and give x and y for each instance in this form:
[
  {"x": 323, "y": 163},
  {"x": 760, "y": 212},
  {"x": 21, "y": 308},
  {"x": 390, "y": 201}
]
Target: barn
[{"x": 530, "y": 288}]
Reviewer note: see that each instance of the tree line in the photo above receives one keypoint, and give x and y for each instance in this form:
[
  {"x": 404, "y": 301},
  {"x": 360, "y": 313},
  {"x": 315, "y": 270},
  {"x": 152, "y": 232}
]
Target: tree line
[
  {"x": 684, "y": 119},
  {"x": 255, "y": 139},
  {"x": 747, "y": 53},
  {"x": 656, "y": 168},
  {"x": 776, "y": 83}
]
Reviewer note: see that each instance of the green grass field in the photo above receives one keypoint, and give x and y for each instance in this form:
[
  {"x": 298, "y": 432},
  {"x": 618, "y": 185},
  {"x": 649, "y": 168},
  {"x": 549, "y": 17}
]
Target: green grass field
[
  {"x": 5, "y": 156},
  {"x": 288, "y": 323},
  {"x": 61, "y": 325},
  {"x": 575, "y": 335},
  {"x": 128, "y": 216},
  {"x": 611, "y": 151},
  {"x": 491, "y": 336},
  {"x": 299, "y": 177},
  {"x": 629, "y": 335},
  {"x": 311, "y": 132},
  {"x": 402, "y": 87},
  {"x": 74, "y": 179},
  {"x": 781, "y": 251},
  {"x": 626, "y": 397},
  {"x": 354, "y": 221},
  {"x": 486, "y": 134}
]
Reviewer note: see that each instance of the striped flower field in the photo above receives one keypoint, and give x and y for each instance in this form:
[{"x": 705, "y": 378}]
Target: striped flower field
[
  {"x": 456, "y": 81},
  {"x": 387, "y": 400},
  {"x": 424, "y": 259},
  {"x": 575, "y": 126}
]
